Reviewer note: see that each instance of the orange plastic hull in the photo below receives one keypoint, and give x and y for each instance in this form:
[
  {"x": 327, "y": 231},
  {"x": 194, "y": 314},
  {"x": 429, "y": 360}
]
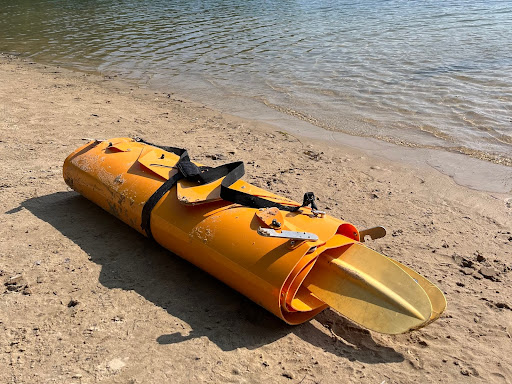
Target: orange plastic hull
[{"x": 217, "y": 236}]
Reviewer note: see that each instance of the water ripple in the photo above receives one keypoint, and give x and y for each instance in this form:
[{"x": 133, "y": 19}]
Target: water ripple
[{"x": 431, "y": 72}]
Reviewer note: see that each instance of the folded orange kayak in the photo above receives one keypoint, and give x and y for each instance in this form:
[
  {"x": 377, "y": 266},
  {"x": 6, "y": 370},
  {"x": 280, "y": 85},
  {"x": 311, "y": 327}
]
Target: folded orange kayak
[{"x": 288, "y": 257}]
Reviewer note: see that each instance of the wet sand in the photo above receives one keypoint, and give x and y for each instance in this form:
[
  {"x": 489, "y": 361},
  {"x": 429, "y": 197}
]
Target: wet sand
[{"x": 86, "y": 299}]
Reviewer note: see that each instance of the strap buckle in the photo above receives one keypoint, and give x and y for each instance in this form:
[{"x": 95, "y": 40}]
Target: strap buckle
[{"x": 189, "y": 170}]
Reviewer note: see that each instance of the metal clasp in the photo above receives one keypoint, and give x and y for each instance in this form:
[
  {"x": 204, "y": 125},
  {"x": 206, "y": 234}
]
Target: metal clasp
[
  {"x": 290, "y": 235},
  {"x": 318, "y": 213}
]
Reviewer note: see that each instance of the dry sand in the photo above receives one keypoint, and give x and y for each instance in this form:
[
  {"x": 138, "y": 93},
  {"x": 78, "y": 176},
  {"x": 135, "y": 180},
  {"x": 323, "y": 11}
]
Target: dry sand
[{"x": 86, "y": 299}]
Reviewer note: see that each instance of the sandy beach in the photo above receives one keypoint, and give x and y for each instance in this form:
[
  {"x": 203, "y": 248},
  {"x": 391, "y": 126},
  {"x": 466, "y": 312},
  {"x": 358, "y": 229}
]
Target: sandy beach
[{"x": 86, "y": 299}]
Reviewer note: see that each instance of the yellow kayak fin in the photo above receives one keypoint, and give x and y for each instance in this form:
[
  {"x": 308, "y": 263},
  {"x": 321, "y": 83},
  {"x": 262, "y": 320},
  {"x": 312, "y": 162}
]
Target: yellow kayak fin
[{"x": 370, "y": 289}]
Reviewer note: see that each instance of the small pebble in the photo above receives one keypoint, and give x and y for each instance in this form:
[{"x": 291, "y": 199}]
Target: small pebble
[
  {"x": 72, "y": 303},
  {"x": 115, "y": 364},
  {"x": 488, "y": 272}
]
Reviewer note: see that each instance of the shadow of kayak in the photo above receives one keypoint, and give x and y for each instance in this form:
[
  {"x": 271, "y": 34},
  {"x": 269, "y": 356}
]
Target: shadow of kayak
[{"x": 131, "y": 262}]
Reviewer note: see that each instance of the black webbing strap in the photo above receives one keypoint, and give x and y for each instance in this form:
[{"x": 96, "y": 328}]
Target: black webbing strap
[
  {"x": 164, "y": 188},
  {"x": 204, "y": 175}
]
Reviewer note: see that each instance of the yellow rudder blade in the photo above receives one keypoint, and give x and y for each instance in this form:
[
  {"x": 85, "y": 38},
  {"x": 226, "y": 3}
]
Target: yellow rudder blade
[{"x": 371, "y": 290}]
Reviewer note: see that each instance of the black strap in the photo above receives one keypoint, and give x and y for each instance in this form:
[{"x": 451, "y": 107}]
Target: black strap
[
  {"x": 153, "y": 200},
  {"x": 204, "y": 175},
  {"x": 309, "y": 199}
]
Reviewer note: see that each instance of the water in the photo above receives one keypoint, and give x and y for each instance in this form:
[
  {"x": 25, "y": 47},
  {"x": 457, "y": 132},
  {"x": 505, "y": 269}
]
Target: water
[{"x": 427, "y": 73}]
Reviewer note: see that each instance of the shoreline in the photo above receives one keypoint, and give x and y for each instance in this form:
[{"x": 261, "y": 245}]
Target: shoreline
[
  {"x": 465, "y": 169},
  {"x": 96, "y": 302},
  {"x": 283, "y": 117}
]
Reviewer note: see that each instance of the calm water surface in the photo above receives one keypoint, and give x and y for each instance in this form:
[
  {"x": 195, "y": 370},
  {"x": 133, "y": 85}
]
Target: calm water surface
[{"x": 432, "y": 73}]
